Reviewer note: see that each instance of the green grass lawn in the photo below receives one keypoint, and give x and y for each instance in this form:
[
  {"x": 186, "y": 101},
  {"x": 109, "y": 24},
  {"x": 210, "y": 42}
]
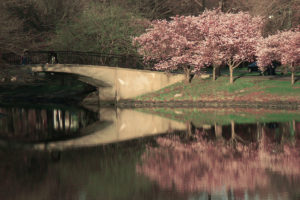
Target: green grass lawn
[
  {"x": 245, "y": 88},
  {"x": 248, "y": 87}
]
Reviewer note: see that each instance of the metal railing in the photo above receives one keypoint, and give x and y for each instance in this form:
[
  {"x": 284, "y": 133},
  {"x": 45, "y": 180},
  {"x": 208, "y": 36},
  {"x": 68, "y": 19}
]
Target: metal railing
[{"x": 75, "y": 57}]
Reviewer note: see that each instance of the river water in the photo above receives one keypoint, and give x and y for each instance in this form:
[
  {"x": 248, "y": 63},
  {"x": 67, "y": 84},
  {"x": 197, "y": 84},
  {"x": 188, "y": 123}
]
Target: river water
[{"x": 71, "y": 152}]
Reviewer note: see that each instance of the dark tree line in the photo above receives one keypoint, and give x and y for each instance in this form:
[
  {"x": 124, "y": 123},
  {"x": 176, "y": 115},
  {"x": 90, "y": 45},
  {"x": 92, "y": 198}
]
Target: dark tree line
[{"x": 107, "y": 26}]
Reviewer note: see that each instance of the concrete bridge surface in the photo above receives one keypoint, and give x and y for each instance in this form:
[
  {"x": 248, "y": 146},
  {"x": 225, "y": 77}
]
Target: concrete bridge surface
[{"x": 115, "y": 83}]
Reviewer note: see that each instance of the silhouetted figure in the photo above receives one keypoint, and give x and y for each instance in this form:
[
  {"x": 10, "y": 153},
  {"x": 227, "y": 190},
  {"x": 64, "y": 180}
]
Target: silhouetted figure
[
  {"x": 52, "y": 58},
  {"x": 25, "y": 58}
]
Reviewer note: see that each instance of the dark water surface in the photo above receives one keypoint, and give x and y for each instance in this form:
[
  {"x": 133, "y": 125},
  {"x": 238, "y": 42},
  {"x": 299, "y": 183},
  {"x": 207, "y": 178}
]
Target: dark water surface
[{"x": 60, "y": 152}]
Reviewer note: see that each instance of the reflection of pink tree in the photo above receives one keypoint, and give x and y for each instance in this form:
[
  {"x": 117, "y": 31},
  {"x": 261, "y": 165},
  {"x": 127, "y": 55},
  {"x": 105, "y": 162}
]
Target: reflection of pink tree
[
  {"x": 282, "y": 158},
  {"x": 210, "y": 166},
  {"x": 200, "y": 166}
]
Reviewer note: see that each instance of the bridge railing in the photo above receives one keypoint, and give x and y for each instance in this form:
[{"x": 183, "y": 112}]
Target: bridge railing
[{"x": 75, "y": 57}]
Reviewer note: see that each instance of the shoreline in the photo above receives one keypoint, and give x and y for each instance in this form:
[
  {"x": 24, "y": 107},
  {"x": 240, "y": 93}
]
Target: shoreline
[{"x": 200, "y": 104}]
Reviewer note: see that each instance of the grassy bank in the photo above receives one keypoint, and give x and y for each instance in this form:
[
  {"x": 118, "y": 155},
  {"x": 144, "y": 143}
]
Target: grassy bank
[{"x": 245, "y": 89}]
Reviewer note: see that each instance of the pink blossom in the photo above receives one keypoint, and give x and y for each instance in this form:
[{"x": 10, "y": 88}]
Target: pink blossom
[
  {"x": 211, "y": 38},
  {"x": 283, "y": 47}
]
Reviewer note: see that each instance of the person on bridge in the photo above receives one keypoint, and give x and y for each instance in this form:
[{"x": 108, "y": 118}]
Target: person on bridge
[
  {"x": 52, "y": 58},
  {"x": 25, "y": 58}
]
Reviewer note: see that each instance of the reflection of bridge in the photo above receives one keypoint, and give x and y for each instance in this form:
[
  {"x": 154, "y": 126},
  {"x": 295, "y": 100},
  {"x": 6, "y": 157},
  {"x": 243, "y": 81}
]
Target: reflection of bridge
[
  {"x": 43, "y": 124},
  {"x": 115, "y": 83},
  {"x": 125, "y": 125}
]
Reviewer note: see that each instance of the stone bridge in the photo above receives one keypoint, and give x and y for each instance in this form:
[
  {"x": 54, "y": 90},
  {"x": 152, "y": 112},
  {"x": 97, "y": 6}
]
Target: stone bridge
[{"x": 115, "y": 83}]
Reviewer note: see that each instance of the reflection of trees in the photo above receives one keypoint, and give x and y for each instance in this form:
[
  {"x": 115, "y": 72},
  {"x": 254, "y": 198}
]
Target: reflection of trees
[
  {"x": 42, "y": 124},
  {"x": 281, "y": 156},
  {"x": 212, "y": 165}
]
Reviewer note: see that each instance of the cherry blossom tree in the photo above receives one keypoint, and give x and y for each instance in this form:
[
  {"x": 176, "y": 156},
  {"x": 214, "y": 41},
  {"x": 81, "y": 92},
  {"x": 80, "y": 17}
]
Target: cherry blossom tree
[
  {"x": 211, "y": 38},
  {"x": 228, "y": 38},
  {"x": 290, "y": 51},
  {"x": 235, "y": 38},
  {"x": 207, "y": 48},
  {"x": 170, "y": 44},
  {"x": 268, "y": 51},
  {"x": 283, "y": 47}
]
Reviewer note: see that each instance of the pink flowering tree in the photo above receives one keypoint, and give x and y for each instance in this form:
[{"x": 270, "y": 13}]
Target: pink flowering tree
[
  {"x": 229, "y": 38},
  {"x": 166, "y": 44},
  {"x": 268, "y": 51},
  {"x": 207, "y": 47},
  {"x": 235, "y": 37},
  {"x": 191, "y": 43},
  {"x": 283, "y": 47},
  {"x": 290, "y": 51},
  {"x": 225, "y": 38}
]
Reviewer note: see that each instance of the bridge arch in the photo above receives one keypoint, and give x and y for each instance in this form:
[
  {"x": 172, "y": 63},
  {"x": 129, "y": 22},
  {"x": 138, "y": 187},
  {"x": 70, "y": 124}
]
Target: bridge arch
[{"x": 115, "y": 83}]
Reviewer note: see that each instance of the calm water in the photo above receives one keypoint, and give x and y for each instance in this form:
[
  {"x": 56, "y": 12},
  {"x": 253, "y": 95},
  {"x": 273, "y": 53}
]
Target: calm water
[{"x": 59, "y": 152}]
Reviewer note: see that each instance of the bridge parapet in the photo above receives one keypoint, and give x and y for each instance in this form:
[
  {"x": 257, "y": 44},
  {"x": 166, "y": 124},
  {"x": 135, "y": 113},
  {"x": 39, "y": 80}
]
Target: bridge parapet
[{"x": 75, "y": 57}]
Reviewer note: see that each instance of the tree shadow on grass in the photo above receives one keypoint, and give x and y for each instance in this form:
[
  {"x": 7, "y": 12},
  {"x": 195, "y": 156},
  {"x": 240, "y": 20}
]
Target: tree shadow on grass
[
  {"x": 297, "y": 78},
  {"x": 275, "y": 77},
  {"x": 237, "y": 77},
  {"x": 284, "y": 77}
]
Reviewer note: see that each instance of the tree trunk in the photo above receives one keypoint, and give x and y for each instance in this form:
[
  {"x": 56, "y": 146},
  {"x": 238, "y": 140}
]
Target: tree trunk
[
  {"x": 259, "y": 130},
  {"x": 214, "y": 73},
  {"x": 231, "y": 74},
  {"x": 189, "y": 129},
  {"x": 221, "y": 5},
  {"x": 232, "y": 130},
  {"x": 293, "y": 76},
  {"x": 218, "y": 131},
  {"x": 293, "y": 128},
  {"x": 262, "y": 142},
  {"x": 187, "y": 72}
]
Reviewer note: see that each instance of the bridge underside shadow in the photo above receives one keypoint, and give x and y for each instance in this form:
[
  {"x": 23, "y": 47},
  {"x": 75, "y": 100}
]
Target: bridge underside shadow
[{"x": 115, "y": 83}]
